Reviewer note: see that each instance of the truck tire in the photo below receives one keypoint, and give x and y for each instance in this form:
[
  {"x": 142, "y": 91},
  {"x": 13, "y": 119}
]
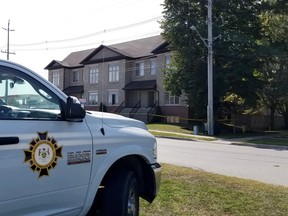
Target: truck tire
[{"x": 121, "y": 195}]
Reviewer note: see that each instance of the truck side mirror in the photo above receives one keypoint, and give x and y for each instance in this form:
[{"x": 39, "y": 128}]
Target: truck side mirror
[{"x": 74, "y": 111}]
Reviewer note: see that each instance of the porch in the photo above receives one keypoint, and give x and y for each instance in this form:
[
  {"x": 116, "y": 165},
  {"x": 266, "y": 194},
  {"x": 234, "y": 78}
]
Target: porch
[{"x": 141, "y": 101}]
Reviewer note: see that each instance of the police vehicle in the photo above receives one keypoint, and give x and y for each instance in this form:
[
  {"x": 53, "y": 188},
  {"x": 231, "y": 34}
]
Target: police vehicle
[{"x": 58, "y": 159}]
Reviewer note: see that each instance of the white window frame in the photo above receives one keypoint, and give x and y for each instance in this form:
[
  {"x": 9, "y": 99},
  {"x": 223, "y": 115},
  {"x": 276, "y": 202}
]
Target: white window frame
[
  {"x": 93, "y": 98},
  {"x": 170, "y": 99},
  {"x": 114, "y": 71},
  {"x": 139, "y": 69},
  {"x": 153, "y": 67},
  {"x": 56, "y": 78},
  {"x": 94, "y": 74},
  {"x": 111, "y": 94}
]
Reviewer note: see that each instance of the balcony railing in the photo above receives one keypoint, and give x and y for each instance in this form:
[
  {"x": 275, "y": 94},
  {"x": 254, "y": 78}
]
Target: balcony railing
[
  {"x": 135, "y": 108},
  {"x": 120, "y": 108},
  {"x": 153, "y": 110}
]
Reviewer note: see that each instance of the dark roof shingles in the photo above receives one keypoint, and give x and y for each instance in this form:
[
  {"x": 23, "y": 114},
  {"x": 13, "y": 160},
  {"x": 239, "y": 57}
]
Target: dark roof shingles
[
  {"x": 139, "y": 48},
  {"x": 74, "y": 58},
  {"x": 133, "y": 49}
]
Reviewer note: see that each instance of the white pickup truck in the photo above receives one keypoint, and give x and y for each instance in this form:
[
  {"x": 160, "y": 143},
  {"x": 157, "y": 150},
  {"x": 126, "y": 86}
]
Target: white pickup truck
[{"x": 58, "y": 159}]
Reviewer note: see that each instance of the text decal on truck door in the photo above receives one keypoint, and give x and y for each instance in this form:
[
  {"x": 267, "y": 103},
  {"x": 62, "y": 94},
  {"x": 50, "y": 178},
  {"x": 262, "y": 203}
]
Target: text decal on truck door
[{"x": 43, "y": 154}]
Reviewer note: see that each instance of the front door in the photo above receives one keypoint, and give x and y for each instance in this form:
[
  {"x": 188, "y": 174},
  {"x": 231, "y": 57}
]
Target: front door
[
  {"x": 44, "y": 160},
  {"x": 151, "y": 98}
]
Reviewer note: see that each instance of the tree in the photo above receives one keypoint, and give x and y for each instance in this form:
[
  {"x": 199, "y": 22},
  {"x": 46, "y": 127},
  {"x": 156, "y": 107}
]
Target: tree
[
  {"x": 274, "y": 58},
  {"x": 187, "y": 71},
  {"x": 235, "y": 54}
]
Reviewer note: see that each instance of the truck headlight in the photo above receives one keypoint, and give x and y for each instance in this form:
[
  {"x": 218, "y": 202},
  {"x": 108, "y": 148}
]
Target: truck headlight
[{"x": 155, "y": 150}]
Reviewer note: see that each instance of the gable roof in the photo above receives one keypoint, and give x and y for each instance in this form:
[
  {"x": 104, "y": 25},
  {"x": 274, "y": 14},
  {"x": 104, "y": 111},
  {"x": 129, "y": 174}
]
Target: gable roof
[
  {"x": 75, "y": 58},
  {"x": 56, "y": 64},
  {"x": 71, "y": 61},
  {"x": 164, "y": 47},
  {"x": 131, "y": 49},
  {"x": 139, "y": 48},
  {"x": 104, "y": 53}
]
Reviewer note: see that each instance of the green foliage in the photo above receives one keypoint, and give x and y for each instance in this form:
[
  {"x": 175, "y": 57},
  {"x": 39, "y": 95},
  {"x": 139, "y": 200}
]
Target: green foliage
[
  {"x": 234, "y": 99},
  {"x": 235, "y": 53},
  {"x": 188, "y": 70},
  {"x": 274, "y": 58}
]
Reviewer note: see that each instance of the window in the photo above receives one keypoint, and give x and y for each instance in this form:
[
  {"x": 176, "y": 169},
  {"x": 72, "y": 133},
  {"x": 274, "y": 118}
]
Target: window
[
  {"x": 22, "y": 97},
  {"x": 113, "y": 97},
  {"x": 140, "y": 69},
  {"x": 93, "y": 75},
  {"x": 153, "y": 67},
  {"x": 56, "y": 78},
  {"x": 93, "y": 98},
  {"x": 170, "y": 99},
  {"x": 167, "y": 60},
  {"x": 113, "y": 72},
  {"x": 76, "y": 76}
]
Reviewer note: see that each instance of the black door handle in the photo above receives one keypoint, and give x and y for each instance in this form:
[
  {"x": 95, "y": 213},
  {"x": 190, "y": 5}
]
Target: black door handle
[{"x": 9, "y": 140}]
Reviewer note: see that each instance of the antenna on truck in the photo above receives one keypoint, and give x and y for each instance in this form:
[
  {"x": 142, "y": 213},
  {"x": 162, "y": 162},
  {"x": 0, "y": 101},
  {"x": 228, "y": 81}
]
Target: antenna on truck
[{"x": 102, "y": 92}]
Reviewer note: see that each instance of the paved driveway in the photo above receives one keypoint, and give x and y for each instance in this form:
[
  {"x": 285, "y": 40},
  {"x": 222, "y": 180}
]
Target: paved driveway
[{"x": 269, "y": 165}]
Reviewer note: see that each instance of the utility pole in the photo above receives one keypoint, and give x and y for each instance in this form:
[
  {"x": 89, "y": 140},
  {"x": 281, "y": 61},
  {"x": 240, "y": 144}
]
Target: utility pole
[
  {"x": 8, "y": 38},
  {"x": 210, "y": 122},
  {"x": 208, "y": 44},
  {"x": 8, "y": 53}
]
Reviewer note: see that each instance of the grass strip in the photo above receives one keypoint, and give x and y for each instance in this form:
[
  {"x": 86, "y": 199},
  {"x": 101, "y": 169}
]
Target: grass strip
[
  {"x": 270, "y": 141},
  {"x": 188, "y": 192},
  {"x": 176, "y": 128},
  {"x": 175, "y": 135}
]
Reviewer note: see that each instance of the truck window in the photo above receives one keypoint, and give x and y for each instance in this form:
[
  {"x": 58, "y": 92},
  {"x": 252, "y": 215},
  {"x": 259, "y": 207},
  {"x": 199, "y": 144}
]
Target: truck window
[{"x": 22, "y": 97}]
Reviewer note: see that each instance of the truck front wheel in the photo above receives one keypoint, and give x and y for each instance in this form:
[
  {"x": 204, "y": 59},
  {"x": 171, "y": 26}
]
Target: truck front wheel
[{"x": 121, "y": 195}]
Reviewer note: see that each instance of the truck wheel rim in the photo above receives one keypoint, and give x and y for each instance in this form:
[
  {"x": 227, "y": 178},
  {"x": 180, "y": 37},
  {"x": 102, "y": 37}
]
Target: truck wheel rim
[{"x": 131, "y": 203}]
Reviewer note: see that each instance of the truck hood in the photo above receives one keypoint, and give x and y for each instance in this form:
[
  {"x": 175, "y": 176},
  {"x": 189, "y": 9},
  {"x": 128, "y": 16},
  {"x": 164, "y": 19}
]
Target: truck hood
[{"x": 114, "y": 120}]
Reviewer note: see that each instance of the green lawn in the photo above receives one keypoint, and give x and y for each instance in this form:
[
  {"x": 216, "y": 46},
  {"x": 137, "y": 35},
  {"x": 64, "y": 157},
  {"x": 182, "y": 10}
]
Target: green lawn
[
  {"x": 175, "y": 135},
  {"x": 172, "y": 130},
  {"x": 279, "y": 138},
  {"x": 177, "y": 128},
  {"x": 188, "y": 192},
  {"x": 270, "y": 141}
]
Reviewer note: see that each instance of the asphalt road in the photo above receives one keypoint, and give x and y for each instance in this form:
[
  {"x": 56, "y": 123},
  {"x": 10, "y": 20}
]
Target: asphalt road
[{"x": 249, "y": 162}]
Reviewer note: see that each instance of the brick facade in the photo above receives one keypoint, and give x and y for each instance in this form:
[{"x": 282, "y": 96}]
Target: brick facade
[{"x": 134, "y": 66}]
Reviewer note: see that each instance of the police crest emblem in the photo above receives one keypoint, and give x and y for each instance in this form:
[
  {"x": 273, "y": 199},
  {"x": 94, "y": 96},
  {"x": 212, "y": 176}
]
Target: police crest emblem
[{"x": 43, "y": 154}]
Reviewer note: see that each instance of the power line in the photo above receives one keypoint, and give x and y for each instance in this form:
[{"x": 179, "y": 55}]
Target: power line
[
  {"x": 92, "y": 34},
  {"x": 93, "y": 43}
]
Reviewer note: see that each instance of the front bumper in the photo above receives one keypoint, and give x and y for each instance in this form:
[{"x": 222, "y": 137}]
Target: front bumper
[{"x": 156, "y": 167}]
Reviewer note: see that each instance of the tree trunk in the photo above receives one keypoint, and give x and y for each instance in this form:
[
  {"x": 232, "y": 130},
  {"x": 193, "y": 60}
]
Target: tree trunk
[
  {"x": 285, "y": 115},
  {"x": 272, "y": 118},
  {"x": 284, "y": 112}
]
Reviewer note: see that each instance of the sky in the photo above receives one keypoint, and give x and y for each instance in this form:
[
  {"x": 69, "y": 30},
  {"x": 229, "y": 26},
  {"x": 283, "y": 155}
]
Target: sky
[{"x": 46, "y": 30}]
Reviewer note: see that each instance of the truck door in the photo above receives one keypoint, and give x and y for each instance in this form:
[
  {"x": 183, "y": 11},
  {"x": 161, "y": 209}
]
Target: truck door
[{"x": 45, "y": 161}]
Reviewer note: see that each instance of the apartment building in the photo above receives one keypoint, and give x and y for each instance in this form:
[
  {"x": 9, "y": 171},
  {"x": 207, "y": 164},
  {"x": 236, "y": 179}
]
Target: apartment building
[{"x": 126, "y": 78}]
